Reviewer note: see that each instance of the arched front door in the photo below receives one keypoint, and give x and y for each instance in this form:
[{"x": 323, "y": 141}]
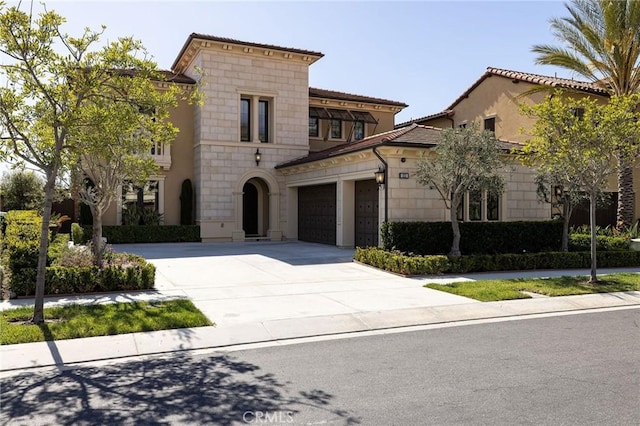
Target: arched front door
[{"x": 250, "y": 209}]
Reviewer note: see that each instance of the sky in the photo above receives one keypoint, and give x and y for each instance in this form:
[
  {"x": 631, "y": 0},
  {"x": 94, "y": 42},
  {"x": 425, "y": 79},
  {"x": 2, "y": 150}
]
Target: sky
[{"x": 422, "y": 53}]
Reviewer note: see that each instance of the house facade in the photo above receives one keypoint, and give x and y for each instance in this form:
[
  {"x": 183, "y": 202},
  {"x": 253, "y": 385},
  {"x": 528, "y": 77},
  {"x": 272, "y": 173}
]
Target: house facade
[
  {"x": 272, "y": 158},
  {"x": 493, "y": 101}
]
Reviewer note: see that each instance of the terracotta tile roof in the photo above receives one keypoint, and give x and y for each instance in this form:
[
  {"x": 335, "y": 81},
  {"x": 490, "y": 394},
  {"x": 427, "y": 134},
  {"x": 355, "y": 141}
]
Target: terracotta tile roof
[
  {"x": 447, "y": 113},
  {"x": 414, "y": 135},
  {"x": 168, "y": 76},
  {"x": 543, "y": 80},
  {"x": 208, "y": 37},
  {"x": 332, "y": 94}
]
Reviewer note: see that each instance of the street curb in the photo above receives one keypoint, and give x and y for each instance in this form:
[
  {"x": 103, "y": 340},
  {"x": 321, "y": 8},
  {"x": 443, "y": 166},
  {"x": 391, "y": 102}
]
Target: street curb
[{"x": 64, "y": 353}]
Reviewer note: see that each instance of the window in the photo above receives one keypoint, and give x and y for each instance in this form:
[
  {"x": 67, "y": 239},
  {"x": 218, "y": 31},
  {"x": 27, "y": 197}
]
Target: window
[
  {"x": 263, "y": 121},
  {"x": 255, "y": 119},
  {"x": 460, "y": 210},
  {"x": 578, "y": 113},
  {"x": 482, "y": 206},
  {"x": 336, "y": 129},
  {"x": 490, "y": 124},
  {"x": 314, "y": 128},
  {"x": 462, "y": 125},
  {"x": 245, "y": 120},
  {"x": 358, "y": 130},
  {"x": 475, "y": 205},
  {"x": 493, "y": 207},
  {"x": 141, "y": 205}
]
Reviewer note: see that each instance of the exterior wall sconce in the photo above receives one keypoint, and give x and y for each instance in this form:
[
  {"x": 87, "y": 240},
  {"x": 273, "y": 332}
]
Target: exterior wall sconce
[
  {"x": 380, "y": 175},
  {"x": 258, "y": 156}
]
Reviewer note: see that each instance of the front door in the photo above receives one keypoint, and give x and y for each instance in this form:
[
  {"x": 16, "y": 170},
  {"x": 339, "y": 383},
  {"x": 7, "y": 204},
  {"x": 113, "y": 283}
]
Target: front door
[{"x": 250, "y": 209}]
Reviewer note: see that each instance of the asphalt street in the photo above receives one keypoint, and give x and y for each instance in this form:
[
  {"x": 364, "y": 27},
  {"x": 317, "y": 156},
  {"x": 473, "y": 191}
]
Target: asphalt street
[{"x": 562, "y": 370}]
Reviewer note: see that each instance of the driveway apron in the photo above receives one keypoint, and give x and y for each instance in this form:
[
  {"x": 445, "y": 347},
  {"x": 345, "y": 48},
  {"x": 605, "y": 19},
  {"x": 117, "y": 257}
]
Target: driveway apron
[{"x": 235, "y": 283}]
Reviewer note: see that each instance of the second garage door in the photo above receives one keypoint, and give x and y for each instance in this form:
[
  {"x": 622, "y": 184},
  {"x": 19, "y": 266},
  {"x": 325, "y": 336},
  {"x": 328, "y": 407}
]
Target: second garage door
[{"x": 317, "y": 213}]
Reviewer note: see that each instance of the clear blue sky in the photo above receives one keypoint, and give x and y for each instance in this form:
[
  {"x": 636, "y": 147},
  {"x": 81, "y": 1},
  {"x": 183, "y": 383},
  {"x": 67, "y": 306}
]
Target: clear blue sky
[{"x": 420, "y": 53}]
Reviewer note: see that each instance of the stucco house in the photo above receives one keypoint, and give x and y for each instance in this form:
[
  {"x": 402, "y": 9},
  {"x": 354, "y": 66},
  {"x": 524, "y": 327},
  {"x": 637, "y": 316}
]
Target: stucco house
[
  {"x": 493, "y": 99},
  {"x": 272, "y": 158}
]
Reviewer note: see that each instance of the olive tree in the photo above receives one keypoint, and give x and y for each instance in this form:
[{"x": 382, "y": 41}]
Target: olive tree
[{"x": 465, "y": 159}]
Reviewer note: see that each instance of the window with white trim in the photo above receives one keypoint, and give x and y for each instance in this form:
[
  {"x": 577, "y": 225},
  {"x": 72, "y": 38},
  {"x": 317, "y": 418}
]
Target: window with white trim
[
  {"x": 479, "y": 206},
  {"x": 335, "y": 129}
]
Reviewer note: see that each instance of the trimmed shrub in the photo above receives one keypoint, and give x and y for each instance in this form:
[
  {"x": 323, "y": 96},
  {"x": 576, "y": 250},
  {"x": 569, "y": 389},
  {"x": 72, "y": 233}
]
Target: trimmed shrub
[
  {"x": 415, "y": 265},
  {"x": 21, "y": 244},
  {"x": 77, "y": 234},
  {"x": 582, "y": 242},
  {"x": 128, "y": 234},
  {"x": 476, "y": 237}
]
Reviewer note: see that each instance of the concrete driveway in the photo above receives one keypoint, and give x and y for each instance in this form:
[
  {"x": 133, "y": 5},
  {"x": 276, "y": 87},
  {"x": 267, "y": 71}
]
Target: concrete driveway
[{"x": 236, "y": 283}]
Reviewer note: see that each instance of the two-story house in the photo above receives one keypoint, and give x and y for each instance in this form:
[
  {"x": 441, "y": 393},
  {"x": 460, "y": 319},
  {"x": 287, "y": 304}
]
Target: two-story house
[{"x": 493, "y": 101}]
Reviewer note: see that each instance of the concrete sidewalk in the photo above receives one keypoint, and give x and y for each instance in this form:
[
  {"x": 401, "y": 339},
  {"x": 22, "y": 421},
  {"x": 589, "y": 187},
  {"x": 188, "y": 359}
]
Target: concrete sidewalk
[{"x": 66, "y": 352}]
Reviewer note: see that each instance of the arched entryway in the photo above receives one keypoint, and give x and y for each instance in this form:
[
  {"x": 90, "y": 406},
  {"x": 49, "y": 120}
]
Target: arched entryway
[{"x": 255, "y": 208}]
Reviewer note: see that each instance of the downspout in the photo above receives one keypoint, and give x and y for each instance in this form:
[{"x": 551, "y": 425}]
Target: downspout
[{"x": 386, "y": 184}]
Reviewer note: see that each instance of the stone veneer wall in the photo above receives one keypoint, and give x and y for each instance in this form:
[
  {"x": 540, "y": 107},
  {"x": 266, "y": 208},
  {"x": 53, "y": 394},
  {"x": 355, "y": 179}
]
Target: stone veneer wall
[{"x": 222, "y": 163}]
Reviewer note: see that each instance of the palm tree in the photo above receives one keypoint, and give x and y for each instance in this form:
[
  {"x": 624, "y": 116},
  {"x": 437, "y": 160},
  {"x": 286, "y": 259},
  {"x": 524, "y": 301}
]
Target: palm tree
[{"x": 603, "y": 45}]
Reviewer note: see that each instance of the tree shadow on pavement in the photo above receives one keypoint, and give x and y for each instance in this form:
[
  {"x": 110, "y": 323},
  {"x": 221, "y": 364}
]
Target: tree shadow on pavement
[{"x": 214, "y": 389}]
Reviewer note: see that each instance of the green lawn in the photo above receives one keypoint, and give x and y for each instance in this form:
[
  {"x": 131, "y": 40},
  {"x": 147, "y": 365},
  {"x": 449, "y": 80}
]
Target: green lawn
[
  {"x": 491, "y": 290},
  {"x": 74, "y": 321}
]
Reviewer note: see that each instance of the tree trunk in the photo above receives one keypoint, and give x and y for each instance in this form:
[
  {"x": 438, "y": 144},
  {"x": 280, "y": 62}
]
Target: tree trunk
[
  {"x": 624, "y": 218},
  {"x": 566, "y": 217},
  {"x": 455, "y": 226},
  {"x": 38, "y": 308},
  {"x": 97, "y": 235},
  {"x": 592, "y": 220}
]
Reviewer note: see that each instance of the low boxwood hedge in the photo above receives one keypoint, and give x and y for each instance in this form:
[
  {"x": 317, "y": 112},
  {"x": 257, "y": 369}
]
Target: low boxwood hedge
[
  {"x": 419, "y": 265},
  {"x": 582, "y": 242},
  {"x": 139, "y": 275},
  {"x": 129, "y": 234}
]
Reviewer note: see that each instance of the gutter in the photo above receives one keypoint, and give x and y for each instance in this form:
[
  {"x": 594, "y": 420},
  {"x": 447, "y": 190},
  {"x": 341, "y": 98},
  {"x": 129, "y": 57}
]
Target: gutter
[{"x": 386, "y": 184}]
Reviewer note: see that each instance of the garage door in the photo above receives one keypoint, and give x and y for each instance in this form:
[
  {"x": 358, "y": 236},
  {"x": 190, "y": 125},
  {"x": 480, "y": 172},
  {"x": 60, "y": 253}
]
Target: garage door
[
  {"x": 366, "y": 213},
  {"x": 317, "y": 213}
]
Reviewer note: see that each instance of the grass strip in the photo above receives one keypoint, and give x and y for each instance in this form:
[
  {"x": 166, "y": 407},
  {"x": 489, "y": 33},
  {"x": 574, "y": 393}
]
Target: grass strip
[
  {"x": 493, "y": 290},
  {"x": 76, "y": 321}
]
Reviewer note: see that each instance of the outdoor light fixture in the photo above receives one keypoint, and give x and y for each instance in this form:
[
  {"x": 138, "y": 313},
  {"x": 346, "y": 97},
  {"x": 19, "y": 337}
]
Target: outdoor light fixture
[
  {"x": 380, "y": 175},
  {"x": 258, "y": 156}
]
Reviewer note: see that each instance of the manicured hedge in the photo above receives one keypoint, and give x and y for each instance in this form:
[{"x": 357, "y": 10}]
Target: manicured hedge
[
  {"x": 21, "y": 244},
  {"x": 70, "y": 280},
  {"x": 419, "y": 265},
  {"x": 582, "y": 242},
  {"x": 476, "y": 237},
  {"x": 127, "y": 234}
]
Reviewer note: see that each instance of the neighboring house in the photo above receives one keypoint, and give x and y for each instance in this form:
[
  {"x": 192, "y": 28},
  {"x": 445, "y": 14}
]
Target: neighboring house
[{"x": 493, "y": 100}]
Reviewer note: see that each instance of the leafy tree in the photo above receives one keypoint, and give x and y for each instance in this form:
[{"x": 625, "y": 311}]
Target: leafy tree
[
  {"x": 22, "y": 190},
  {"x": 602, "y": 39},
  {"x": 118, "y": 131},
  {"x": 51, "y": 79},
  {"x": 465, "y": 160},
  {"x": 581, "y": 148}
]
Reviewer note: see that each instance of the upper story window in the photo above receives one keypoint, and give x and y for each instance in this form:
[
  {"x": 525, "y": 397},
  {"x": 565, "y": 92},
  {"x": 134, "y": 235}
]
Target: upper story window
[
  {"x": 578, "y": 113},
  {"x": 358, "y": 130},
  {"x": 490, "y": 124},
  {"x": 263, "y": 121},
  {"x": 336, "y": 129},
  {"x": 256, "y": 116},
  {"x": 245, "y": 120},
  {"x": 314, "y": 127}
]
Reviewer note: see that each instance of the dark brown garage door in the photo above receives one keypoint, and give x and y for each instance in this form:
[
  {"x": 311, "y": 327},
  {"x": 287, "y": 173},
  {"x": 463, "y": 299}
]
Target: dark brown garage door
[
  {"x": 366, "y": 213},
  {"x": 317, "y": 213}
]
